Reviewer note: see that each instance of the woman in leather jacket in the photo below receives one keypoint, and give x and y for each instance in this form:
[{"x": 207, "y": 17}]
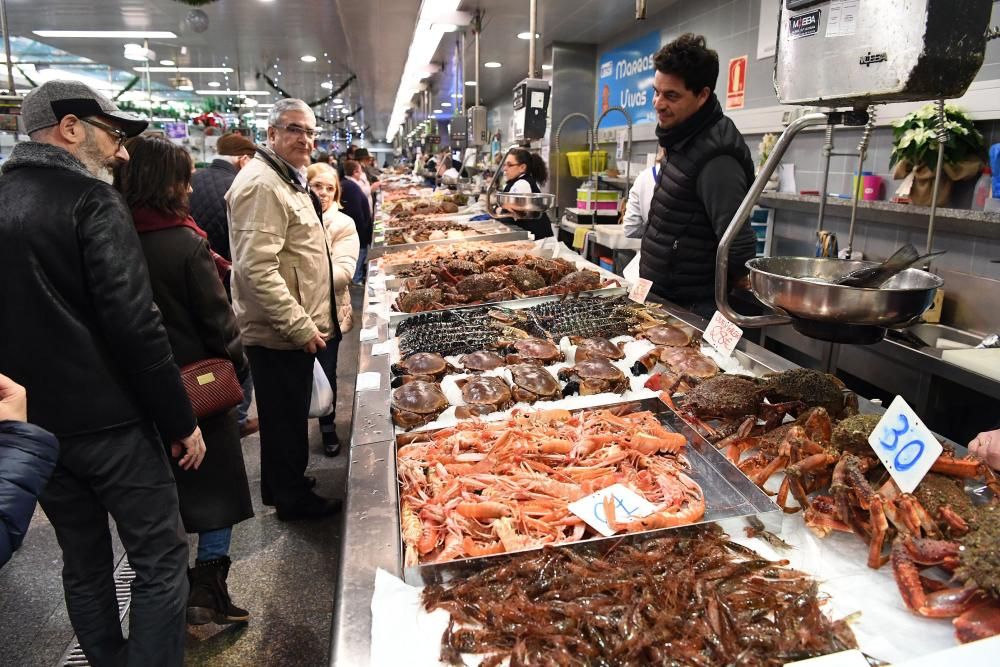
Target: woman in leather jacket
[{"x": 188, "y": 290}]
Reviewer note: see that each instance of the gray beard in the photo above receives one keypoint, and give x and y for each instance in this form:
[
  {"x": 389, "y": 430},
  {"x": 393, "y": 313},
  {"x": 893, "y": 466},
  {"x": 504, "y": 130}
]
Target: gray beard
[{"x": 99, "y": 167}]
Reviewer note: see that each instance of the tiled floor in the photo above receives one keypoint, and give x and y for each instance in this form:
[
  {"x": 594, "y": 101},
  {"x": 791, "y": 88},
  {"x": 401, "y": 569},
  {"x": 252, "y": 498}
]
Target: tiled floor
[{"x": 284, "y": 573}]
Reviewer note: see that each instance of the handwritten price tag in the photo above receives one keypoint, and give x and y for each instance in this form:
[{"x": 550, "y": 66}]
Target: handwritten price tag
[
  {"x": 722, "y": 334},
  {"x": 629, "y": 506},
  {"x": 905, "y": 446},
  {"x": 368, "y": 334},
  {"x": 640, "y": 290}
]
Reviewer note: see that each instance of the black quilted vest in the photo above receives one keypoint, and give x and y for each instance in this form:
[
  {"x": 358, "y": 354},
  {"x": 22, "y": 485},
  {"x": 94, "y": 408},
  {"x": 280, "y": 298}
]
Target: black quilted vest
[{"x": 679, "y": 247}]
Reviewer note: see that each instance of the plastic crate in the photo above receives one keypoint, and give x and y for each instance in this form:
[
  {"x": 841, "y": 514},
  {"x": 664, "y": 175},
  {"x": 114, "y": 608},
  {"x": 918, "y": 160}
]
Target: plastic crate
[{"x": 578, "y": 167}]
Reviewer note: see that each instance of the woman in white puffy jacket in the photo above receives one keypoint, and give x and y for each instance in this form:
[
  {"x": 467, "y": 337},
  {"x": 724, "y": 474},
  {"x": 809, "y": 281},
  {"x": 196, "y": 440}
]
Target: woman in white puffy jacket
[{"x": 342, "y": 237}]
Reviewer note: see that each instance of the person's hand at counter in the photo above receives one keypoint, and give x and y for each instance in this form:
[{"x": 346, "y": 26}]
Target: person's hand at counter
[{"x": 986, "y": 446}]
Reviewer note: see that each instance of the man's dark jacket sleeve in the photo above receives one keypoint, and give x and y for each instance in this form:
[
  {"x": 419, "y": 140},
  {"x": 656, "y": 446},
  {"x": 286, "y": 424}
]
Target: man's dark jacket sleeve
[
  {"x": 124, "y": 309},
  {"x": 27, "y": 458},
  {"x": 356, "y": 205},
  {"x": 722, "y": 185}
]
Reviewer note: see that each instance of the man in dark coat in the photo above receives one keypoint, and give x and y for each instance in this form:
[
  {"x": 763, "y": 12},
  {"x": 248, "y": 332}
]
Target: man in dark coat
[
  {"x": 704, "y": 176},
  {"x": 208, "y": 208},
  {"x": 210, "y": 184},
  {"x": 82, "y": 334},
  {"x": 27, "y": 457}
]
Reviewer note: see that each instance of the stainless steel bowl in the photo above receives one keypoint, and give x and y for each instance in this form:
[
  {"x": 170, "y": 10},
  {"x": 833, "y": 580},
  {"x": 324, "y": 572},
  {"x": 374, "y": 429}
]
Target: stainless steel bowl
[
  {"x": 528, "y": 202},
  {"x": 800, "y": 287}
]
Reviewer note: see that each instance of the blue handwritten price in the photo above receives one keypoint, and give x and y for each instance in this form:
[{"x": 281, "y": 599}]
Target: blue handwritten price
[
  {"x": 905, "y": 446},
  {"x": 628, "y": 505}
]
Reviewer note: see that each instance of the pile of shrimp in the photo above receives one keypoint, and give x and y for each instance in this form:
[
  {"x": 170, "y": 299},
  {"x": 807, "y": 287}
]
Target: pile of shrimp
[
  {"x": 479, "y": 488},
  {"x": 691, "y": 598}
]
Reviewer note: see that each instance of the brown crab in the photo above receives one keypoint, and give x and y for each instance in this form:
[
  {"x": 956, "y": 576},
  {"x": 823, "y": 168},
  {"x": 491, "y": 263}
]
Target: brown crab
[
  {"x": 452, "y": 270},
  {"x": 426, "y": 366},
  {"x": 483, "y": 394},
  {"x": 483, "y": 360},
  {"x": 419, "y": 300},
  {"x": 665, "y": 335},
  {"x": 533, "y": 383},
  {"x": 481, "y": 287},
  {"x": 522, "y": 278},
  {"x": 551, "y": 270},
  {"x": 417, "y": 403},
  {"x": 533, "y": 350},
  {"x": 596, "y": 348},
  {"x": 499, "y": 258},
  {"x": 813, "y": 389},
  {"x": 593, "y": 376},
  {"x": 680, "y": 362}
]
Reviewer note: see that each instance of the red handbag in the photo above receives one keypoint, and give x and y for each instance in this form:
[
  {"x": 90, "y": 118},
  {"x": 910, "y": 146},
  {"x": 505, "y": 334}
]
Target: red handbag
[{"x": 211, "y": 386}]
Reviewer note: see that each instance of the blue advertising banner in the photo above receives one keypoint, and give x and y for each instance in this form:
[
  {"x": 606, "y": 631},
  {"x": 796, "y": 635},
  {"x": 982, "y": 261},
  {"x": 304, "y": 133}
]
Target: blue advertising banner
[{"x": 625, "y": 79}]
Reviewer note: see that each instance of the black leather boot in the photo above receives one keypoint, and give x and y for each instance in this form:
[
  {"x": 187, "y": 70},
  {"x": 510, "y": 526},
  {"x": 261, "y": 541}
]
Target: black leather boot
[{"x": 208, "y": 601}]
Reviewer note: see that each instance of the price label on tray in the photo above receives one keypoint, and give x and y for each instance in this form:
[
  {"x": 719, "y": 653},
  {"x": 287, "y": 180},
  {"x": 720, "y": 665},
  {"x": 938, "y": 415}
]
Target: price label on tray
[
  {"x": 640, "y": 290},
  {"x": 628, "y": 506},
  {"x": 905, "y": 446},
  {"x": 722, "y": 334}
]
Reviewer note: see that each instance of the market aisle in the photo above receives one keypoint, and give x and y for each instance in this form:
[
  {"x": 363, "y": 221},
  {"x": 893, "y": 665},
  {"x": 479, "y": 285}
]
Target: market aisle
[{"x": 284, "y": 573}]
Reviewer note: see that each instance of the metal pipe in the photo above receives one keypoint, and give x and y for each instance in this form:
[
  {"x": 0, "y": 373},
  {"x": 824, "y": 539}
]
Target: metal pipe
[
  {"x": 532, "y": 22},
  {"x": 856, "y": 195},
  {"x": 743, "y": 214},
  {"x": 827, "y": 153},
  {"x": 477, "y": 27},
  {"x": 460, "y": 84},
  {"x": 628, "y": 121},
  {"x": 942, "y": 137},
  {"x": 6, "y": 48},
  {"x": 640, "y": 10},
  {"x": 558, "y": 156}
]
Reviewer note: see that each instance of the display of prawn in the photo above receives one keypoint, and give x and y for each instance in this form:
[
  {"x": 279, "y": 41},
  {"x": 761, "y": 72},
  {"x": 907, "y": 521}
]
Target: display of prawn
[
  {"x": 692, "y": 597},
  {"x": 500, "y": 276},
  {"x": 478, "y": 488}
]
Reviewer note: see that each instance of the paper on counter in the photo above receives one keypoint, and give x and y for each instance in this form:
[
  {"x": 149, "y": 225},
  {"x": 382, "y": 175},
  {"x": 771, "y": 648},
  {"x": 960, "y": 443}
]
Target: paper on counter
[
  {"x": 369, "y": 334},
  {"x": 402, "y": 632},
  {"x": 370, "y": 381},
  {"x": 382, "y": 348}
]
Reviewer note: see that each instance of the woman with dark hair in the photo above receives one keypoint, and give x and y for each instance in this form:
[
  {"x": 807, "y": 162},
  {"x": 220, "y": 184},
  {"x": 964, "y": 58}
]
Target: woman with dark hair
[
  {"x": 187, "y": 288},
  {"x": 524, "y": 171},
  {"x": 357, "y": 205}
]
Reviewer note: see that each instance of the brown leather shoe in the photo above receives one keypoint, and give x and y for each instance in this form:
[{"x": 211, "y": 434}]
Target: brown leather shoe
[{"x": 249, "y": 427}]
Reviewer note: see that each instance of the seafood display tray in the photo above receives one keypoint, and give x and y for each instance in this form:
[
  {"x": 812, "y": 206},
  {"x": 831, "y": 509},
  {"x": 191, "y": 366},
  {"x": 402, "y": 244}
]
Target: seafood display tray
[
  {"x": 516, "y": 304},
  {"x": 493, "y": 232},
  {"x": 728, "y": 494}
]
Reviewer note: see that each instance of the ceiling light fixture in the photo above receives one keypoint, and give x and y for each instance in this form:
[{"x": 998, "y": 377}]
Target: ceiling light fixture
[
  {"x": 221, "y": 70},
  {"x": 140, "y": 53},
  {"x": 491, "y": 65},
  {"x": 308, "y": 59},
  {"x": 337, "y": 100},
  {"x": 168, "y": 63},
  {"x": 232, "y": 92},
  {"x": 444, "y": 27},
  {"x": 108, "y": 34},
  {"x": 328, "y": 85},
  {"x": 424, "y": 43},
  {"x": 471, "y": 83},
  {"x": 214, "y": 84},
  {"x": 446, "y": 104},
  {"x": 527, "y": 35},
  {"x": 546, "y": 67}
]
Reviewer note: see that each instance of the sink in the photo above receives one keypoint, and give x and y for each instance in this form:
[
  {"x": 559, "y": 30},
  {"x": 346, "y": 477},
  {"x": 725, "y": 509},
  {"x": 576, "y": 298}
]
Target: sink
[{"x": 942, "y": 336}]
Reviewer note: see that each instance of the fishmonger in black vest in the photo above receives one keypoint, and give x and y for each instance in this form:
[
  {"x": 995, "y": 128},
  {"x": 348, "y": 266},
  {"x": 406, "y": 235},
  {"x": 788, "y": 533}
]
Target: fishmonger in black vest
[{"x": 703, "y": 178}]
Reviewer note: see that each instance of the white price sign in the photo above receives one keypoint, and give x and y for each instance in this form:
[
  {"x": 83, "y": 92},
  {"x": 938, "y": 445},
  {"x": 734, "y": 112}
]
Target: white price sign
[
  {"x": 628, "y": 505},
  {"x": 722, "y": 334},
  {"x": 640, "y": 290},
  {"x": 851, "y": 658},
  {"x": 905, "y": 446}
]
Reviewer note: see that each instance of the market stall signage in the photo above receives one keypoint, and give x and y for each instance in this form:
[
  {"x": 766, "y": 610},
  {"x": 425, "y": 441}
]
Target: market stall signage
[
  {"x": 640, "y": 290},
  {"x": 736, "y": 92},
  {"x": 904, "y": 445},
  {"x": 722, "y": 334},
  {"x": 628, "y": 506},
  {"x": 625, "y": 79},
  {"x": 804, "y": 25}
]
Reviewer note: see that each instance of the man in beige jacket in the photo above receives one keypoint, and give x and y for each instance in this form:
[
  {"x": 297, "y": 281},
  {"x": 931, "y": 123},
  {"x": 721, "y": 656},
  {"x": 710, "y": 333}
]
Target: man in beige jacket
[{"x": 283, "y": 301}]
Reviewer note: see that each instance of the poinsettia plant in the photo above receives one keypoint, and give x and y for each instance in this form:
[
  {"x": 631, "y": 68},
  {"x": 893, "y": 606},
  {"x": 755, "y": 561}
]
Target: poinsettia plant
[{"x": 915, "y": 137}]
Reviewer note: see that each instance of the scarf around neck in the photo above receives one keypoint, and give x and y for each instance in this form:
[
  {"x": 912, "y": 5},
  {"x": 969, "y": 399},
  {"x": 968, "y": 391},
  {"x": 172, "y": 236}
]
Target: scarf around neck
[
  {"x": 709, "y": 114},
  {"x": 147, "y": 220}
]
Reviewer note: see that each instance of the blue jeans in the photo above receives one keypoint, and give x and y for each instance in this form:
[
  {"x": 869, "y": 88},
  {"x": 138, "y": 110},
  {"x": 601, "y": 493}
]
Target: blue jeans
[
  {"x": 362, "y": 271},
  {"x": 214, "y": 544},
  {"x": 243, "y": 409}
]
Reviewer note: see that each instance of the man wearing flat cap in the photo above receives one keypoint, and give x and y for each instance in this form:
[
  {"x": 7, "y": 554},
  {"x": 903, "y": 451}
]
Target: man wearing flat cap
[{"x": 82, "y": 334}]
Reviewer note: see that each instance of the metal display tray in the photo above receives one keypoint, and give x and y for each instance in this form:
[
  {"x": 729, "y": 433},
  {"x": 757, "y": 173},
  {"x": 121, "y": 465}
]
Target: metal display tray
[
  {"x": 515, "y": 304},
  {"x": 495, "y": 233},
  {"x": 728, "y": 494}
]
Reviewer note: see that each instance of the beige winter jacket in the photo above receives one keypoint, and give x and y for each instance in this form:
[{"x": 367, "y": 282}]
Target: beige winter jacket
[
  {"x": 344, "y": 246},
  {"x": 281, "y": 269}
]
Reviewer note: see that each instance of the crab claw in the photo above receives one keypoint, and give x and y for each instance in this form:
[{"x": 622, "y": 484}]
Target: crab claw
[{"x": 572, "y": 387}]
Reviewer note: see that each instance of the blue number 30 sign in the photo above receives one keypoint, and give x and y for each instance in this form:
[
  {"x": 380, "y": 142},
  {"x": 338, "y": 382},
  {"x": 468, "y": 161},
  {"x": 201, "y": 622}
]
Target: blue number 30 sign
[{"x": 905, "y": 446}]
